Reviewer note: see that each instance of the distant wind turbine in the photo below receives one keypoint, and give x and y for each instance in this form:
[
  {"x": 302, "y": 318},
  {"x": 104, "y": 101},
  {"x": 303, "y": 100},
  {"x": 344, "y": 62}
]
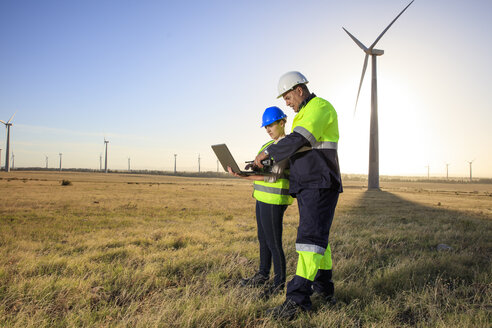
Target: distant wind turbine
[
  {"x": 13, "y": 161},
  {"x": 175, "y": 155},
  {"x": 129, "y": 164},
  {"x": 46, "y": 160},
  {"x": 373, "y": 178},
  {"x": 106, "y": 156},
  {"x": 60, "y": 154},
  {"x": 471, "y": 170},
  {"x": 8, "y": 124},
  {"x": 447, "y": 171}
]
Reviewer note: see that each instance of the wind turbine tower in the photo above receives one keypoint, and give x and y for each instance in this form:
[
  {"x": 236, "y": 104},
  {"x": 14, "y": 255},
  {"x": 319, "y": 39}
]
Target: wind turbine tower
[
  {"x": 0, "y": 158},
  {"x": 175, "y": 155},
  {"x": 106, "y": 156},
  {"x": 471, "y": 180},
  {"x": 373, "y": 177},
  {"x": 198, "y": 163},
  {"x": 129, "y": 164},
  {"x": 8, "y": 124},
  {"x": 428, "y": 172},
  {"x": 13, "y": 157},
  {"x": 46, "y": 157},
  {"x": 60, "y": 160},
  {"x": 100, "y": 161},
  {"x": 447, "y": 171}
]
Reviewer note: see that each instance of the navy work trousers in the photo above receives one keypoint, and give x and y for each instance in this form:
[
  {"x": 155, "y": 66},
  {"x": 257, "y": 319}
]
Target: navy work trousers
[
  {"x": 316, "y": 211},
  {"x": 269, "y": 219}
]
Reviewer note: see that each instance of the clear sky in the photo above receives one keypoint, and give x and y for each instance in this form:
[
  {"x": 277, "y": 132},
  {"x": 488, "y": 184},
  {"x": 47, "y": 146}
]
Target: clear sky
[{"x": 158, "y": 78}]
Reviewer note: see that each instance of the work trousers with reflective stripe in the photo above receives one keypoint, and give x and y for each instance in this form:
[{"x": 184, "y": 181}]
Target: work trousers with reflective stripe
[
  {"x": 316, "y": 211},
  {"x": 269, "y": 218}
]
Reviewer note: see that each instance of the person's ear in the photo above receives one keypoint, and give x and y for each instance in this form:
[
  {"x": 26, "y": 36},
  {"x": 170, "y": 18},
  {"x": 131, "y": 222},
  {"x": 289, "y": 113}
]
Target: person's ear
[{"x": 299, "y": 90}]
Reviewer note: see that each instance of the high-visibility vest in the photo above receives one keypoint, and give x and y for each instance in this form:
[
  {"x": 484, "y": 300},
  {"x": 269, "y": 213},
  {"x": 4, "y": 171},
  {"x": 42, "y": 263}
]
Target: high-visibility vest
[{"x": 276, "y": 193}]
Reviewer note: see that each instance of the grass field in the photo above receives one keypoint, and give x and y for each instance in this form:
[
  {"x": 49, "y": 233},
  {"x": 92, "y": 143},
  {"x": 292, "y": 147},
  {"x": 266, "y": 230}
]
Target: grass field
[{"x": 161, "y": 251}]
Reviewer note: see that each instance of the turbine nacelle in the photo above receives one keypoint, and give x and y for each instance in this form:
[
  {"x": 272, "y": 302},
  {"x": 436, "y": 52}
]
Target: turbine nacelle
[{"x": 376, "y": 52}]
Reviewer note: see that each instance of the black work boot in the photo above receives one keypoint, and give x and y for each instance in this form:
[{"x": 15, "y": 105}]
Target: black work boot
[
  {"x": 323, "y": 298},
  {"x": 255, "y": 281},
  {"x": 323, "y": 288},
  {"x": 287, "y": 310}
]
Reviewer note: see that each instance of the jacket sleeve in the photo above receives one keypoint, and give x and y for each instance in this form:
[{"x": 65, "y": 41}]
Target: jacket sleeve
[
  {"x": 287, "y": 147},
  {"x": 278, "y": 171}
]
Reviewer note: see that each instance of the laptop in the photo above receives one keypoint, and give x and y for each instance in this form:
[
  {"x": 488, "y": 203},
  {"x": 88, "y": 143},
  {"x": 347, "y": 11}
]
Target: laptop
[{"x": 226, "y": 159}]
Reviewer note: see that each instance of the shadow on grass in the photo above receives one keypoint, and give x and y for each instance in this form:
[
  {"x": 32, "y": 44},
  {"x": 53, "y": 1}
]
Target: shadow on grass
[{"x": 387, "y": 246}]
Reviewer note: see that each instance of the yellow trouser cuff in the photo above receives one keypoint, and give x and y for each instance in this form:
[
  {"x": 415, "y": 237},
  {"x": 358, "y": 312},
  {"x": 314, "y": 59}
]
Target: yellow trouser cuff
[
  {"x": 326, "y": 263},
  {"x": 308, "y": 264}
]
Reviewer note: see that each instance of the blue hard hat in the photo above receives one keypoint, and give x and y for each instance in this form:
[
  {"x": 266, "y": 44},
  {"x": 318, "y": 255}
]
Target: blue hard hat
[{"x": 272, "y": 114}]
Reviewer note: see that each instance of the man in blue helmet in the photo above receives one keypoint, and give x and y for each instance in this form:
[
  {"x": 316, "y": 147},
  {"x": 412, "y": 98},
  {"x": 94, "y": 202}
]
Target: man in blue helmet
[{"x": 316, "y": 182}]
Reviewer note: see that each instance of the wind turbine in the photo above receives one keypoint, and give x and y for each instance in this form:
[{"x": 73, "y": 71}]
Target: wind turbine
[
  {"x": 46, "y": 160},
  {"x": 60, "y": 154},
  {"x": 471, "y": 162},
  {"x": 175, "y": 155},
  {"x": 373, "y": 178},
  {"x": 8, "y": 124},
  {"x": 106, "y": 156}
]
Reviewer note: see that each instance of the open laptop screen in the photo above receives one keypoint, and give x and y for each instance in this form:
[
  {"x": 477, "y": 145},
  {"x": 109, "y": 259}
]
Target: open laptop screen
[{"x": 226, "y": 159}]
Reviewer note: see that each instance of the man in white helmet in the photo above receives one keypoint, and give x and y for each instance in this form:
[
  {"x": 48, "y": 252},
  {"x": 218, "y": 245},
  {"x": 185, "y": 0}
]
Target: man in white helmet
[{"x": 316, "y": 182}]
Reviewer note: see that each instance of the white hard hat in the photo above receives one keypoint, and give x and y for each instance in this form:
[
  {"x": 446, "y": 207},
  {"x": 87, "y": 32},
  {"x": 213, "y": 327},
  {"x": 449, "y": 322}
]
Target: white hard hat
[{"x": 289, "y": 80}]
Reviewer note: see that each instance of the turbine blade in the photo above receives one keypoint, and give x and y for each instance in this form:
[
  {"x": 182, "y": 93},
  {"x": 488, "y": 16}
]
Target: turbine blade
[
  {"x": 360, "y": 44},
  {"x": 361, "y": 79},
  {"x": 3, "y": 122},
  {"x": 381, "y": 35},
  {"x": 11, "y": 118}
]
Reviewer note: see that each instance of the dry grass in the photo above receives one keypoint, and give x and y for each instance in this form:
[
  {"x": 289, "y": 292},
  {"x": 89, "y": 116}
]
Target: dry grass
[{"x": 161, "y": 251}]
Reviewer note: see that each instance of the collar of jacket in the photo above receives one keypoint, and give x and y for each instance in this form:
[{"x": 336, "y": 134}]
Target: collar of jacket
[{"x": 305, "y": 101}]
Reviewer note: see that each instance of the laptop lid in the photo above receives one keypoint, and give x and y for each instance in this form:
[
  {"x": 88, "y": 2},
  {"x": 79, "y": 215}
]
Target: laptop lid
[{"x": 226, "y": 159}]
